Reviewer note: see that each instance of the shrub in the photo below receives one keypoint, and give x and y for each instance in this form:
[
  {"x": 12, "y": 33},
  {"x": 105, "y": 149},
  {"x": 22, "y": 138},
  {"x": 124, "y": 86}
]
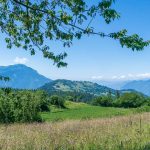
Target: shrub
[
  {"x": 130, "y": 100},
  {"x": 6, "y": 111},
  {"x": 21, "y": 106},
  {"x": 147, "y": 103},
  {"x": 103, "y": 101},
  {"x": 57, "y": 101},
  {"x": 143, "y": 109},
  {"x": 69, "y": 98},
  {"x": 42, "y": 98}
]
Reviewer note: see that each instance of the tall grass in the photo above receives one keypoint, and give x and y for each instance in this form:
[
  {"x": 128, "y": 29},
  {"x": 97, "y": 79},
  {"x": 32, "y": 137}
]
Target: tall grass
[{"x": 119, "y": 133}]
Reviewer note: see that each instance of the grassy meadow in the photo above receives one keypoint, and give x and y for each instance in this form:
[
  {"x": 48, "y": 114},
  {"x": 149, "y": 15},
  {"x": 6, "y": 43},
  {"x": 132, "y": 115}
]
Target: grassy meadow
[
  {"x": 81, "y": 126},
  {"x": 118, "y": 133},
  {"x": 81, "y": 111}
]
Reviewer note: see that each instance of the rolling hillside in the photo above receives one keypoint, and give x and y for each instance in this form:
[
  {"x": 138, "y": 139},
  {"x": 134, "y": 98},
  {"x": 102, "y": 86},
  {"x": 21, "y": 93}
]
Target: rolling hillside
[{"x": 77, "y": 86}]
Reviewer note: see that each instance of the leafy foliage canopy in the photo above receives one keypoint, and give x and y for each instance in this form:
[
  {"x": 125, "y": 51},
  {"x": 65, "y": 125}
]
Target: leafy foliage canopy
[{"x": 31, "y": 24}]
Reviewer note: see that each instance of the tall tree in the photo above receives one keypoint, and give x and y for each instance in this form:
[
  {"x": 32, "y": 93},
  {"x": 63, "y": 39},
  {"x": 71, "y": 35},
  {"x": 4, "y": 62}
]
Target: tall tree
[{"x": 31, "y": 23}]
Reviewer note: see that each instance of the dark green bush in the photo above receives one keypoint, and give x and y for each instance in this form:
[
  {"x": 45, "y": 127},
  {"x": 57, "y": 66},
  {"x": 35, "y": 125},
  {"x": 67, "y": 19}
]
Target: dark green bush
[
  {"x": 57, "y": 101},
  {"x": 43, "y": 99},
  {"x": 105, "y": 101},
  {"x": 130, "y": 100},
  {"x": 6, "y": 109},
  {"x": 21, "y": 106},
  {"x": 144, "y": 108},
  {"x": 147, "y": 103},
  {"x": 69, "y": 98}
]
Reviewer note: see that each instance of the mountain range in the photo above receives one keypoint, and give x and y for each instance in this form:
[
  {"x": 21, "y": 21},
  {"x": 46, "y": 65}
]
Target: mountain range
[
  {"x": 24, "y": 77},
  {"x": 114, "y": 84},
  {"x": 142, "y": 86}
]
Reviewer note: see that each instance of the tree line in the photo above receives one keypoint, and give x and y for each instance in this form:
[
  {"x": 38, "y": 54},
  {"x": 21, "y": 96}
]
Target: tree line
[
  {"x": 26, "y": 105},
  {"x": 125, "y": 100}
]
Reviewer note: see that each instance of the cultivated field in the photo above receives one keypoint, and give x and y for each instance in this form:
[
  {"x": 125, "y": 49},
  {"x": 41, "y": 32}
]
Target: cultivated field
[{"x": 118, "y": 133}]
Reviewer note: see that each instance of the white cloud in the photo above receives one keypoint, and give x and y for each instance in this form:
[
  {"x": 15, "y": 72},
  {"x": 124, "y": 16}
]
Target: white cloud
[
  {"x": 124, "y": 77},
  {"x": 135, "y": 76},
  {"x": 97, "y": 77},
  {"x": 144, "y": 75},
  {"x": 114, "y": 77},
  {"x": 130, "y": 75},
  {"x": 20, "y": 60}
]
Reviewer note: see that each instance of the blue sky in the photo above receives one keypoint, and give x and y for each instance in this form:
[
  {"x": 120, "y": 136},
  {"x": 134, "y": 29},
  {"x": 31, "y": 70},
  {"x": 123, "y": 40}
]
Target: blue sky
[{"x": 93, "y": 58}]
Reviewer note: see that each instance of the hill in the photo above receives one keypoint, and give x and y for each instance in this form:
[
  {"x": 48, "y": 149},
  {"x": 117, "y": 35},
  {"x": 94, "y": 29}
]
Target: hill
[
  {"x": 22, "y": 77},
  {"x": 142, "y": 86},
  {"x": 77, "y": 86}
]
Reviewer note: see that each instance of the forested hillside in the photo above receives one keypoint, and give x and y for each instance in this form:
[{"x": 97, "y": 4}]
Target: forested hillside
[{"x": 77, "y": 86}]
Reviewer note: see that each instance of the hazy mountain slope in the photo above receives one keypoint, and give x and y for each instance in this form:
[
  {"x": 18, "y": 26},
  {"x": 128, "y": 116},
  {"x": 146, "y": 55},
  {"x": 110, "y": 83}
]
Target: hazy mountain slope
[
  {"x": 22, "y": 77},
  {"x": 117, "y": 85},
  {"x": 77, "y": 86},
  {"x": 141, "y": 86}
]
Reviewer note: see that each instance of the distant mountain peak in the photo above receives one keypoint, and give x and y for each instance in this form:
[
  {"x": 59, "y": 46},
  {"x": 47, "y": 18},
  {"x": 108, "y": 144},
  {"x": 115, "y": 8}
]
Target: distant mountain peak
[
  {"x": 139, "y": 85},
  {"x": 22, "y": 77}
]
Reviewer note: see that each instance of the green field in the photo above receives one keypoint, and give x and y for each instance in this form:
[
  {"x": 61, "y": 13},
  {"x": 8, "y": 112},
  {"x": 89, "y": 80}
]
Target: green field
[
  {"x": 85, "y": 127},
  {"x": 83, "y": 111}
]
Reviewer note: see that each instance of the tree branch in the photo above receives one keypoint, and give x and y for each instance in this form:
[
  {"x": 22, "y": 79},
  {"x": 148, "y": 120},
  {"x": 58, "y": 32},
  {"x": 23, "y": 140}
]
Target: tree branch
[{"x": 72, "y": 25}]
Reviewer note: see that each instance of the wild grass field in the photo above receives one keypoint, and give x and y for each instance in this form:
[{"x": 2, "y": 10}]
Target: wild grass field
[
  {"x": 81, "y": 126},
  {"x": 81, "y": 111},
  {"x": 118, "y": 133}
]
